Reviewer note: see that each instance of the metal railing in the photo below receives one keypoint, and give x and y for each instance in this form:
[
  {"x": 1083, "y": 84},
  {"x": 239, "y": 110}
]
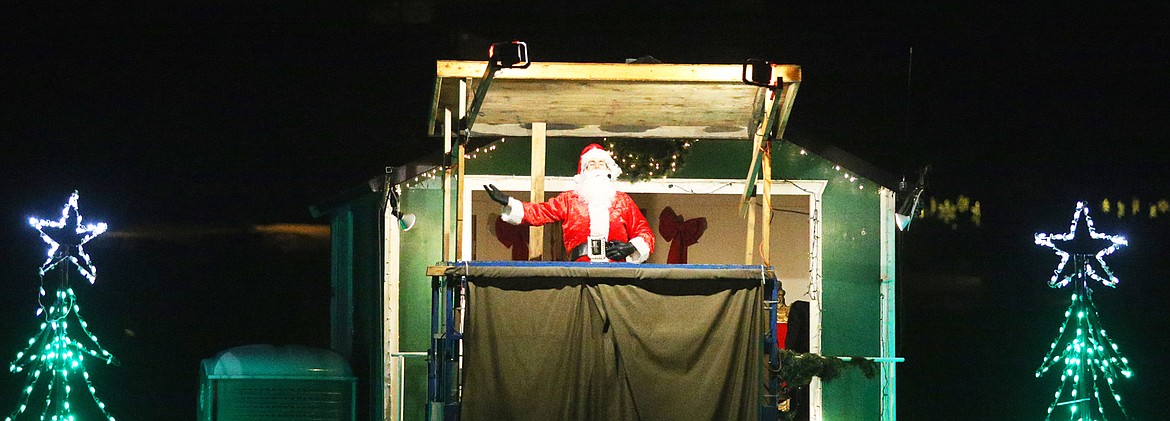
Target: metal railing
[{"x": 401, "y": 358}]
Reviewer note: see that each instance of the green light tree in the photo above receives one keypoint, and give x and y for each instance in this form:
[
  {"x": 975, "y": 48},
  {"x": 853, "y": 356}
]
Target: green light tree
[
  {"x": 53, "y": 359},
  {"x": 1089, "y": 360}
]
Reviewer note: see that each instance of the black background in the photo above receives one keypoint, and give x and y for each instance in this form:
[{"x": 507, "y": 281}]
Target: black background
[{"x": 190, "y": 121}]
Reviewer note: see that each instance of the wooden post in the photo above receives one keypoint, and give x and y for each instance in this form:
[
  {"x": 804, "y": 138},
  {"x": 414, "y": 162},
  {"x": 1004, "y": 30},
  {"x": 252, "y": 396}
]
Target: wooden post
[
  {"x": 751, "y": 231},
  {"x": 448, "y": 255},
  {"x": 766, "y": 210},
  {"x": 462, "y": 249},
  {"x": 459, "y": 190},
  {"x": 760, "y": 150},
  {"x": 536, "y": 234}
]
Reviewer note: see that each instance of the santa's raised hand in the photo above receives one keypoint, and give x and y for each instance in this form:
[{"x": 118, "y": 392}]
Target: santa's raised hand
[{"x": 496, "y": 195}]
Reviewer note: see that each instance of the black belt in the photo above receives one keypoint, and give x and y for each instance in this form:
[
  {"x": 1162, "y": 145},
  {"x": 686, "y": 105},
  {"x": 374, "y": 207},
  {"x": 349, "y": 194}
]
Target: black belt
[{"x": 578, "y": 251}]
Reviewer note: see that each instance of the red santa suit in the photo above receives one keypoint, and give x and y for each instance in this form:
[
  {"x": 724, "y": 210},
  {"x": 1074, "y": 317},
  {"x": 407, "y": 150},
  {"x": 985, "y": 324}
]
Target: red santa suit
[{"x": 620, "y": 221}]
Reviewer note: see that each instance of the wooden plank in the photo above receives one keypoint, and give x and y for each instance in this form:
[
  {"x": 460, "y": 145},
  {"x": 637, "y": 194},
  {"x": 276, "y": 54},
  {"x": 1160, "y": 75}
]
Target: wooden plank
[
  {"x": 629, "y": 106},
  {"x": 616, "y": 99},
  {"x": 749, "y": 187},
  {"x": 438, "y": 270},
  {"x": 664, "y": 72},
  {"x": 595, "y": 130},
  {"x": 788, "y": 95},
  {"x": 536, "y": 234}
]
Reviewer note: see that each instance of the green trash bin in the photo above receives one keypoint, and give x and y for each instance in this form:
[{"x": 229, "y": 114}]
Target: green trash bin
[{"x": 267, "y": 382}]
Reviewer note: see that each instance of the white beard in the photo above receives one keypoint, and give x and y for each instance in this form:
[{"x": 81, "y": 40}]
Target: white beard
[{"x": 596, "y": 189}]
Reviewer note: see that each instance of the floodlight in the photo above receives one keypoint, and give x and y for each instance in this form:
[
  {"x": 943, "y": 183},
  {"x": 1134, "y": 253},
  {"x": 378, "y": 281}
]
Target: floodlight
[
  {"x": 509, "y": 55},
  {"x": 391, "y": 200},
  {"x": 405, "y": 222},
  {"x": 909, "y": 207},
  {"x": 760, "y": 73}
]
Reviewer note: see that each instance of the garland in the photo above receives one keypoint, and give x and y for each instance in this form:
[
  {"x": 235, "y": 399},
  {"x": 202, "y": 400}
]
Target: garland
[
  {"x": 643, "y": 159},
  {"x": 797, "y": 370}
]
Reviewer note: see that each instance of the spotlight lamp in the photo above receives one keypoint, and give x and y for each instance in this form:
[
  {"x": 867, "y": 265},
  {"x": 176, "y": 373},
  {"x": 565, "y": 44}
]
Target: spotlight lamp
[
  {"x": 405, "y": 222},
  {"x": 758, "y": 72},
  {"x": 509, "y": 55},
  {"x": 389, "y": 191},
  {"x": 911, "y": 202}
]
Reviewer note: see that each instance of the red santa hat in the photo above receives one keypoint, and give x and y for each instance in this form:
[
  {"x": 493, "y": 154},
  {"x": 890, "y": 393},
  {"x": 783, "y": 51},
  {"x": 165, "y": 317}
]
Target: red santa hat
[{"x": 595, "y": 151}]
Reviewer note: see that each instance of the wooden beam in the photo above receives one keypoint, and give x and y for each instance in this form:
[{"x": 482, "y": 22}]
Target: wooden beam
[
  {"x": 732, "y": 73},
  {"x": 438, "y": 270},
  {"x": 749, "y": 250},
  {"x": 447, "y": 252},
  {"x": 766, "y": 210},
  {"x": 788, "y": 95},
  {"x": 762, "y": 127},
  {"x": 459, "y": 188},
  {"x": 536, "y": 234}
]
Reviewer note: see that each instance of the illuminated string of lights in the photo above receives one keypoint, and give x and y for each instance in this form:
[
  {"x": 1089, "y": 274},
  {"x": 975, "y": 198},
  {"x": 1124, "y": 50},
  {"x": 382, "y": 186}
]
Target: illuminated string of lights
[
  {"x": 52, "y": 353},
  {"x": 481, "y": 152},
  {"x": 845, "y": 175},
  {"x": 1091, "y": 361},
  {"x": 649, "y": 158},
  {"x": 1122, "y": 208},
  {"x": 422, "y": 179},
  {"x": 952, "y": 212},
  {"x": 484, "y": 150},
  {"x": 56, "y": 232},
  {"x": 1082, "y": 267},
  {"x": 646, "y": 162}
]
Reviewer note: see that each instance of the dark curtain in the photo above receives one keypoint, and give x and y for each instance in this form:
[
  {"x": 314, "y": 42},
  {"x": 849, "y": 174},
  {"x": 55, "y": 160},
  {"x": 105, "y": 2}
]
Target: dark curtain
[
  {"x": 797, "y": 340},
  {"x": 588, "y": 348}
]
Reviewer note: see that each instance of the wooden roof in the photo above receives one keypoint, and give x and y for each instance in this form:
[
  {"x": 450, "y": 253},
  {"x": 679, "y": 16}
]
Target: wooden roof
[{"x": 699, "y": 101}]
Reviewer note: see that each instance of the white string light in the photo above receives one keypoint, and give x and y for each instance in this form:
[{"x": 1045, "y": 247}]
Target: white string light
[
  {"x": 422, "y": 178},
  {"x": 1061, "y": 277},
  {"x": 71, "y": 232},
  {"x": 483, "y": 151},
  {"x": 644, "y": 164}
]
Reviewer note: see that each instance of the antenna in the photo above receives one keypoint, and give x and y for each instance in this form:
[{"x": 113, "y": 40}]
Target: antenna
[{"x": 909, "y": 92}]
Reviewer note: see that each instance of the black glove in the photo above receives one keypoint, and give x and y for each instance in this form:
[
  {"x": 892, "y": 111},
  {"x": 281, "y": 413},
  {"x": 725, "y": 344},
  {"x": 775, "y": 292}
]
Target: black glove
[
  {"x": 618, "y": 250},
  {"x": 496, "y": 194}
]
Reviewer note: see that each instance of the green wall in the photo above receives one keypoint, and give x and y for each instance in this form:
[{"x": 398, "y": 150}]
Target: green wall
[
  {"x": 356, "y": 254},
  {"x": 422, "y": 246}
]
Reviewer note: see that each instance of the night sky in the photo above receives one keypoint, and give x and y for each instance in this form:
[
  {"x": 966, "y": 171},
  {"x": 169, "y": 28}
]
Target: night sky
[{"x": 186, "y": 121}]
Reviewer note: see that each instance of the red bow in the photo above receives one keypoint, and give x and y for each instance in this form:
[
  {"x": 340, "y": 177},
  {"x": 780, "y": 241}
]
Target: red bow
[
  {"x": 681, "y": 234},
  {"x": 514, "y": 237}
]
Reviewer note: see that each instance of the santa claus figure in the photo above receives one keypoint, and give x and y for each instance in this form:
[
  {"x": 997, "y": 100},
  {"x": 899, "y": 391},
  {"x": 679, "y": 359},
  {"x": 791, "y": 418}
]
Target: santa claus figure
[{"x": 599, "y": 223}]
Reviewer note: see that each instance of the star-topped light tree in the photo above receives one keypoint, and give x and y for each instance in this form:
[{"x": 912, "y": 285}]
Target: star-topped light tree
[
  {"x": 54, "y": 361},
  {"x": 1091, "y": 361}
]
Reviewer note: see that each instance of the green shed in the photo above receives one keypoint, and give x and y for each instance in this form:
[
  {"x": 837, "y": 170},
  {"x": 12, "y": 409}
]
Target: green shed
[{"x": 701, "y": 143}]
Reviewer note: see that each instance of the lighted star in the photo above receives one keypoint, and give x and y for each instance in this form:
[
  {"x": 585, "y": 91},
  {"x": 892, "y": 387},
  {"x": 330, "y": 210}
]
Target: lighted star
[
  {"x": 71, "y": 233},
  {"x": 1080, "y": 243}
]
